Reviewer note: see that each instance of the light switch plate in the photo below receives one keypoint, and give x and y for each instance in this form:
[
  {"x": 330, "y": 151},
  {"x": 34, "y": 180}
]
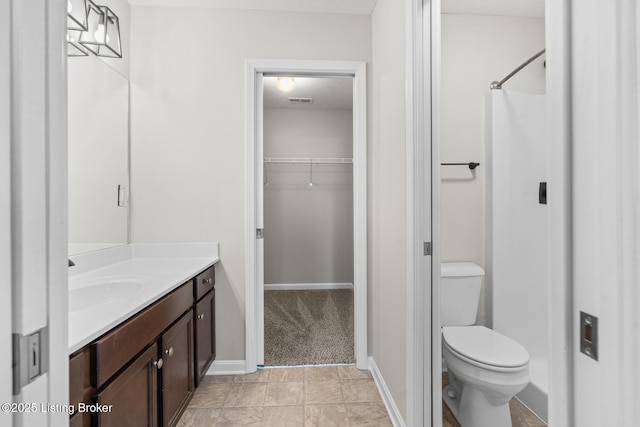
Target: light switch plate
[{"x": 123, "y": 195}]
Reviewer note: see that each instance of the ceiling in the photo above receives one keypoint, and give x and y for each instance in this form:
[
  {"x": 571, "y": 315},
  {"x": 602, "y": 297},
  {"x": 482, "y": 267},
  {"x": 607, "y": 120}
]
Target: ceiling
[
  {"x": 327, "y": 92},
  {"x": 528, "y": 8},
  {"x": 532, "y": 8},
  {"x": 363, "y": 7}
]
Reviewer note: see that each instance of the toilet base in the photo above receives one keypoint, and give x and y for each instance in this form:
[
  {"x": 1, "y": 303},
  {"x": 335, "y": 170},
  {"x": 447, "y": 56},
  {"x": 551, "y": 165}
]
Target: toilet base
[{"x": 472, "y": 409}]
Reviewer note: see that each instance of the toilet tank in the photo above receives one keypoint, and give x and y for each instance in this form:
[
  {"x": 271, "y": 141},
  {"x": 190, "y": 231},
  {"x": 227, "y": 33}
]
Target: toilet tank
[{"x": 459, "y": 292}]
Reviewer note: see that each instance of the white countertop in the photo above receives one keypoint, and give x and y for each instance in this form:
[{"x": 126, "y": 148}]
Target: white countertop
[{"x": 107, "y": 287}]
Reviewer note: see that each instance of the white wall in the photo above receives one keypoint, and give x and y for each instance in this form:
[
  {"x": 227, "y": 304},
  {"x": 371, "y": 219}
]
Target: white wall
[
  {"x": 476, "y": 50},
  {"x": 387, "y": 286},
  {"x": 308, "y": 229},
  {"x": 188, "y": 126}
]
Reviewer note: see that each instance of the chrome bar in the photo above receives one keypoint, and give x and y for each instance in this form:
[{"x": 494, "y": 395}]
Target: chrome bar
[{"x": 498, "y": 85}]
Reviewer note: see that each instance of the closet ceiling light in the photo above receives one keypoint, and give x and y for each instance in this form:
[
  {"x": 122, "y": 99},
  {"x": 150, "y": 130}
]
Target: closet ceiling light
[{"x": 286, "y": 84}]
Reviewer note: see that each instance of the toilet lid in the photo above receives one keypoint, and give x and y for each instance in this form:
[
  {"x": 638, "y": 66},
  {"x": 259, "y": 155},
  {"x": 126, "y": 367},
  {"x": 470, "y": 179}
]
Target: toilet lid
[{"x": 485, "y": 346}]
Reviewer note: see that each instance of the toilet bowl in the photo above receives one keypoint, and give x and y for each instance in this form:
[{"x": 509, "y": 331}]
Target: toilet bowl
[{"x": 486, "y": 368}]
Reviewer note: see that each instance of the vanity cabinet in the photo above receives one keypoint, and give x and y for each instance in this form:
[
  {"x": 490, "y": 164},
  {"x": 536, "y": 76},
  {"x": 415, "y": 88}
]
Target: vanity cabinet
[
  {"x": 204, "y": 321},
  {"x": 147, "y": 368}
]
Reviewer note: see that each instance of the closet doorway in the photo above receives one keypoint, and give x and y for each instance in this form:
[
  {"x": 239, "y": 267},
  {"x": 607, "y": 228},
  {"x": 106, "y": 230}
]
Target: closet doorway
[
  {"x": 308, "y": 220},
  {"x": 306, "y": 267}
]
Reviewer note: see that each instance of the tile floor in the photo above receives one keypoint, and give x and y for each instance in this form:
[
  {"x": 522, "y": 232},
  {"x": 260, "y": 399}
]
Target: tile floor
[
  {"x": 521, "y": 416},
  {"x": 324, "y": 396}
]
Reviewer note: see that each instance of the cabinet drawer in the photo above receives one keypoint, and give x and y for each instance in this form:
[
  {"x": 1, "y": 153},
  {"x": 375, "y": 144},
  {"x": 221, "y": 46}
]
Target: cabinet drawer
[
  {"x": 115, "y": 349},
  {"x": 80, "y": 390},
  {"x": 204, "y": 283}
]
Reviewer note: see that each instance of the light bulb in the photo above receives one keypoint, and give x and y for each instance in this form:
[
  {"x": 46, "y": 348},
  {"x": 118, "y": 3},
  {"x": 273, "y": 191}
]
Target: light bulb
[
  {"x": 286, "y": 84},
  {"x": 99, "y": 34}
]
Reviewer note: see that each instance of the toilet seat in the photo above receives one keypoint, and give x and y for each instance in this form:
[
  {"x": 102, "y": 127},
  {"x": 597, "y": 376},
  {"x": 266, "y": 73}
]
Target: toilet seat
[{"x": 485, "y": 348}]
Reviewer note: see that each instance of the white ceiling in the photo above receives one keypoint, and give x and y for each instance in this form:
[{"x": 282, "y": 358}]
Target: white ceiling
[
  {"x": 530, "y": 8},
  {"x": 364, "y": 7},
  {"x": 533, "y": 8},
  {"x": 327, "y": 92}
]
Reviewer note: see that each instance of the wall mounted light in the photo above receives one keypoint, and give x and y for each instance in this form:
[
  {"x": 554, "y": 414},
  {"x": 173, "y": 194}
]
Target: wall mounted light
[
  {"x": 74, "y": 48},
  {"x": 77, "y": 15},
  {"x": 102, "y": 36},
  {"x": 286, "y": 84}
]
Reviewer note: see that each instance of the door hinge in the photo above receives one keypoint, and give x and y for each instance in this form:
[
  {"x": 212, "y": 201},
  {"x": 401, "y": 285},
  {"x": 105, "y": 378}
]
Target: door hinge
[
  {"x": 30, "y": 357},
  {"x": 427, "y": 248},
  {"x": 259, "y": 233}
]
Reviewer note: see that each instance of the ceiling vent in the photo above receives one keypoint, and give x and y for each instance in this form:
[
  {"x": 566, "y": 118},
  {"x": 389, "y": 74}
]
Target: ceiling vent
[{"x": 300, "y": 100}]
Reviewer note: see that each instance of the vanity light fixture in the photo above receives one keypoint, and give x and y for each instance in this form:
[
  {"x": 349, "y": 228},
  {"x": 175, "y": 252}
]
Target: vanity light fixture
[
  {"x": 102, "y": 36},
  {"x": 73, "y": 47},
  {"x": 286, "y": 84},
  {"x": 77, "y": 15}
]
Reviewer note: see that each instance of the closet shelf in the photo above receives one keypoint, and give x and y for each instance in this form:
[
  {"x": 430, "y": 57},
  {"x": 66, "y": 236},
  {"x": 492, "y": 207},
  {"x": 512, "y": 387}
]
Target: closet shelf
[{"x": 308, "y": 160}]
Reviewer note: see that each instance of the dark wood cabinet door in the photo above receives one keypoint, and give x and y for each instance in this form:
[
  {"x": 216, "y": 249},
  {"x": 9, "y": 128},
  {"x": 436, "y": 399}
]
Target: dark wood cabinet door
[
  {"x": 133, "y": 395},
  {"x": 177, "y": 371},
  {"x": 205, "y": 335},
  {"x": 80, "y": 420}
]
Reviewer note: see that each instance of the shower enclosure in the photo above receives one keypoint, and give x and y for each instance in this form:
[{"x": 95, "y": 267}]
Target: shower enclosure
[{"x": 518, "y": 230}]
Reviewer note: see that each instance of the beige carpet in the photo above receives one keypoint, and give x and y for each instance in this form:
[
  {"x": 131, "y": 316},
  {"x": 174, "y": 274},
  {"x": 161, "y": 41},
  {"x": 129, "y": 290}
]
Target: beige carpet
[{"x": 308, "y": 327}]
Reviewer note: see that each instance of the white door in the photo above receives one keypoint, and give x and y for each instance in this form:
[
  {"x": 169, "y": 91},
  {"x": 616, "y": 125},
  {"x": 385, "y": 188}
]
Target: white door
[
  {"x": 33, "y": 257},
  {"x": 606, "y": 214},
  {"x": 5, "y": 211}
]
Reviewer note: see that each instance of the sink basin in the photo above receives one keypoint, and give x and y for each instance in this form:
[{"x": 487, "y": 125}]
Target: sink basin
[{"x": 104, "y": 291}]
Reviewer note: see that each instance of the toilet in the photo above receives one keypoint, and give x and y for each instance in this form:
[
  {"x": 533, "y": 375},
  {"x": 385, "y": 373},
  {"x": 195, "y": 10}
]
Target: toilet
[{"x": 486, "y": 369}]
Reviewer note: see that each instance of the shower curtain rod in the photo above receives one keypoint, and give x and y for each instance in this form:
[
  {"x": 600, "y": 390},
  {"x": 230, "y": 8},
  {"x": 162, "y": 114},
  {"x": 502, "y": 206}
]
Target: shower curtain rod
[{"x": 498, "y": 85}]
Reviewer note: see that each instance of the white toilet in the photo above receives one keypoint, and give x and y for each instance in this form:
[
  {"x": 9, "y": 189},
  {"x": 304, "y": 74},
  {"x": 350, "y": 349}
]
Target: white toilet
[{"x": 486, "y": 369}]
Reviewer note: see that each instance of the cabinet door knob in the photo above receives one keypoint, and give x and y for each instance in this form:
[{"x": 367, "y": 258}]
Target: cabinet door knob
[
  {"x": 209, "y": 280},
  {"x": 158, "y": 363},
  {"x": 201, "y": 316},
  {"x": 169, "y": 352}
]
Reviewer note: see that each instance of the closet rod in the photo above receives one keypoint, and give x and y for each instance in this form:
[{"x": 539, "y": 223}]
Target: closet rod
[{"x": 307, "y": 160}]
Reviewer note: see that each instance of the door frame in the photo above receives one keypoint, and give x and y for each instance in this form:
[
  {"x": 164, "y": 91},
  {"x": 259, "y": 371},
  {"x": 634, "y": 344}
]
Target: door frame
[
  {"x": 254, "y": 273},
  {"x": 424, "y": 342},
  {"x": 423, "y": 381}
]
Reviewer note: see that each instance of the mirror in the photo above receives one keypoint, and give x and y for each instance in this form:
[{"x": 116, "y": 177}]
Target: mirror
[{"x": 98, "y": 141}]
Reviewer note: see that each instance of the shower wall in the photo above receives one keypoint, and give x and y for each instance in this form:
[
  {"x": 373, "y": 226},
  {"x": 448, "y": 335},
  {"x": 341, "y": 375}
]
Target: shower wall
[
  {"x": 476, "y": 50},
  {"x": 517, "y": 257},
  {"x": 308, "y": 229}
]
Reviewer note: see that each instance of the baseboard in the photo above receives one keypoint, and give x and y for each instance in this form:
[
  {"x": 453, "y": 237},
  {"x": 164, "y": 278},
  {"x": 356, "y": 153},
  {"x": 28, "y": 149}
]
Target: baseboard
[
  {"x": 306, "y": 286},
  {"x": 227, "y": 367},
  {"x": 536, "y": 400},
  {"x": 387, "y": 399}
]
